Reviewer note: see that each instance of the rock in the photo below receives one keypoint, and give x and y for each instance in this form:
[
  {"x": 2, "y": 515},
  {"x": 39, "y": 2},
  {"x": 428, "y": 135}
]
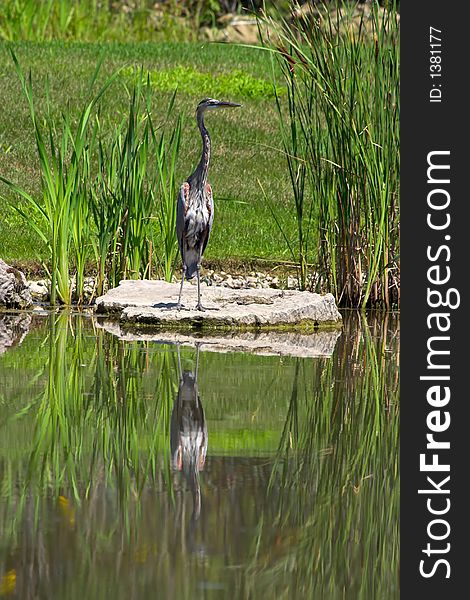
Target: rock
[
  {"x": 39, "y": 290},
  {"x": 271, "y": 343},
  {"x": 228, "y": 282},
  {"x": 154, "y": 302},
  {"x": 14, "y": 291},
  {"x": 89, "y": 288},
  {"x": 292, "y": 283},
  {"x": 362, "y": 18},
  {"x": 240, "y": 29},
  {"x": 13, "y": 330}
]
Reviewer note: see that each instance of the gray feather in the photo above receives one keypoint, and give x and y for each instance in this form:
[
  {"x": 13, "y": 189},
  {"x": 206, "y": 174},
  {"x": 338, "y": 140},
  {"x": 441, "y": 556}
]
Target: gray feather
[{"x": 194, "y": 219}]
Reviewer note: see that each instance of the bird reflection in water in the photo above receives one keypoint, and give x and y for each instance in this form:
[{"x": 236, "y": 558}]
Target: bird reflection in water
[{"x": 188, "y": 435}]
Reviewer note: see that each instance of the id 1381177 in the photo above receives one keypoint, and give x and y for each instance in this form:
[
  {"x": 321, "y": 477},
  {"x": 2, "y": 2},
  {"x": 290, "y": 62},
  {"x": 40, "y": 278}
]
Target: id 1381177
[{"x": 435, "y": 64}]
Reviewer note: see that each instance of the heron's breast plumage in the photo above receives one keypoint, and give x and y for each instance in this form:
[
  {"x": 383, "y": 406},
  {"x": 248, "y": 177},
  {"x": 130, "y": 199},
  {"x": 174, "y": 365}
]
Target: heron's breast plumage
[{"x": 197, "y": 218}]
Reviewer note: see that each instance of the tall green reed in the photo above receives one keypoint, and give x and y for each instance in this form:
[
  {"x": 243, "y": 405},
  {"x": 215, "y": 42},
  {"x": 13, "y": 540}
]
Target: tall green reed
[
  {"x": 122, "y": 190},
  {"x": 107, "y": 202},
  {"x": 336, "y": 475},
  {"x": 134, "y": 197},
  {"x": 59, "y": 215},
  {"x": 166, "y": 157},
  {"x": 294, "y": 139},
  {"x": 100, "y": 417},
  {"x": 46, "y": 20},
  {"x": 343, "y": 104},
  {"x": 26, "y": 19},
  {"x": 90, "y": 21}
]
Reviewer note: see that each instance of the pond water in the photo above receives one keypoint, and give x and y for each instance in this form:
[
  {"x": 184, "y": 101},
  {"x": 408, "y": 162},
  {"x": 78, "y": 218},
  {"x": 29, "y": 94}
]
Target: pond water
[{"x": 144, "y": 470}]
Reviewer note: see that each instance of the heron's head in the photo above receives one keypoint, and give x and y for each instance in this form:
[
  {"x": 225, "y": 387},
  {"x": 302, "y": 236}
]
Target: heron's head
[{"x": 210, "y": 104}]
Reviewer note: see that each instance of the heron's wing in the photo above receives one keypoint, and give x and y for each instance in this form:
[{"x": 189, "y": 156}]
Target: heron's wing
[
  {"x": 210, "y": 204},
  {"x": 180, "y": 213}
]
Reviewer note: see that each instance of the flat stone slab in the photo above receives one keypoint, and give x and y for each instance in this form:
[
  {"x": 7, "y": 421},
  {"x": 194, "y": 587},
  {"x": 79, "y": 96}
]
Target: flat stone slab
[
  {"x": 269, "y": 343},
  {"x": 154, "y": 302}
]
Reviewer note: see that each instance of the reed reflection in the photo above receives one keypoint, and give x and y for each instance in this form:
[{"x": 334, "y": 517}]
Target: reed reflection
[
  {"x": 97, "y": 500},
  {"x": 188, "y": 434}
]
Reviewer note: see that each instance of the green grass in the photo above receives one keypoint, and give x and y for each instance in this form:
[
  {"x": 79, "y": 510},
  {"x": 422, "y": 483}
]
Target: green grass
[
  {"x": 189, "y": 80},
  {"x": 245, "y": 144},
  {"x": 92, "y": 20}
]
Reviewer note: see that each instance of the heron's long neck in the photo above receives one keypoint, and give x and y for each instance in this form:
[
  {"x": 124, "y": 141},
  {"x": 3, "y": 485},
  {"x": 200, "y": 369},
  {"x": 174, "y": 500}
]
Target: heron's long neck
[{"x": 201, "y": 170}]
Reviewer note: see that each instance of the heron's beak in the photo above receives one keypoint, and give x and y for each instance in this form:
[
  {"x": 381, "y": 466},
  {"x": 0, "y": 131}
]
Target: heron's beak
[{"x": 227, "y": 104}]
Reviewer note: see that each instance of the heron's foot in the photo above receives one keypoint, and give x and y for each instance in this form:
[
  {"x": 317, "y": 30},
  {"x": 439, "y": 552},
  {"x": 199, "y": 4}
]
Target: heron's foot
[
  {"x": 179, "y": 306},
  {"x": 202, "y": 308}
]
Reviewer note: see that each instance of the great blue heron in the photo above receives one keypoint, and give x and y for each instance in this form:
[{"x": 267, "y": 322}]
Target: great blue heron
[{"x": 195, "y": 209}]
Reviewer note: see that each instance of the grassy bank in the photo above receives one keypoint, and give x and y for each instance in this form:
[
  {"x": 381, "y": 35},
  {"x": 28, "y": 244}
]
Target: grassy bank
[{"x": 245, "y": 144}]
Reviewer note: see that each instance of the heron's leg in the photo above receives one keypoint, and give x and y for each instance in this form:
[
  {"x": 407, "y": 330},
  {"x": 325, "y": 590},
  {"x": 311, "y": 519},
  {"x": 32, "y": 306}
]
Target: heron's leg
[
  {"x": 178, "y": 306},
  {"x": 199, "y": 305}
]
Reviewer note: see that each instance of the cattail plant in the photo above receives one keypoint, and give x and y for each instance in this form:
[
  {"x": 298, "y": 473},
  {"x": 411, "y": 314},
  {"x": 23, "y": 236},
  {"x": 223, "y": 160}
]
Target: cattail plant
[{"x": 340, "y": 134}]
